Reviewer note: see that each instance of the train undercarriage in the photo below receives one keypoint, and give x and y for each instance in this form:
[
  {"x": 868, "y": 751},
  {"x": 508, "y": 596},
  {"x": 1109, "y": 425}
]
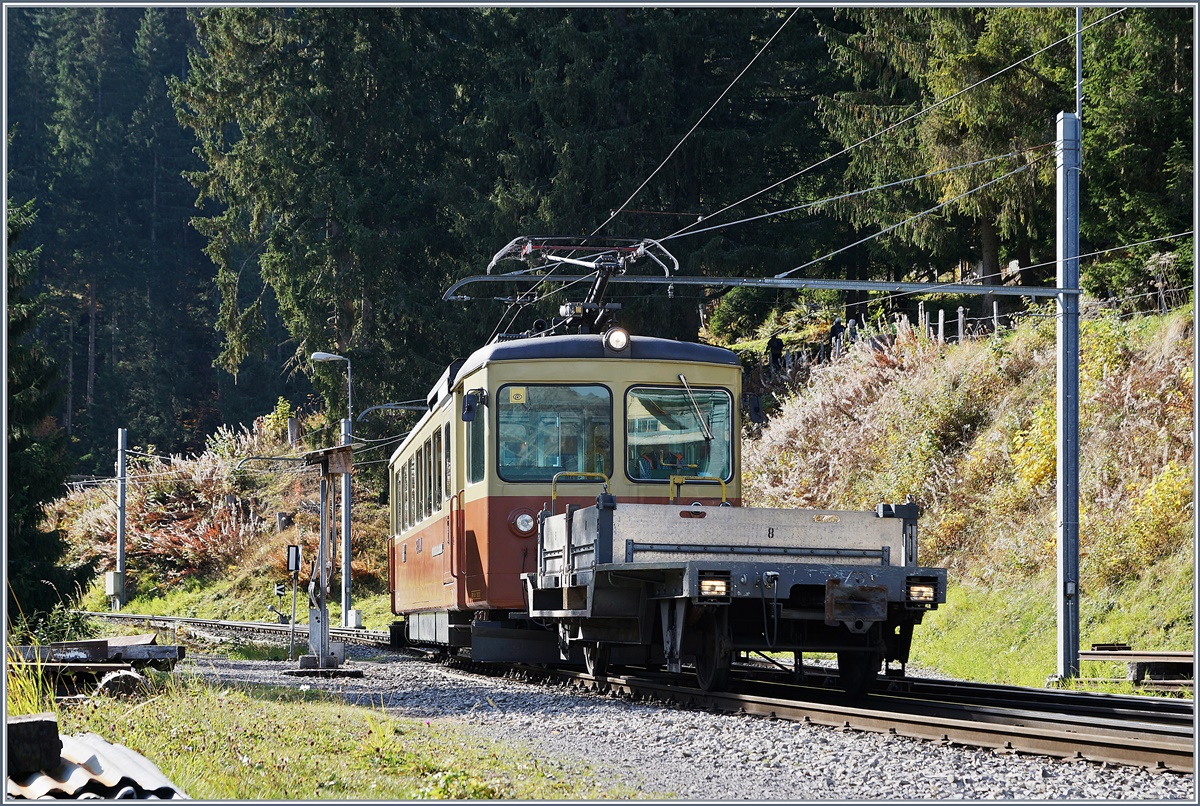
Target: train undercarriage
[{"x": 663, "y": 586}]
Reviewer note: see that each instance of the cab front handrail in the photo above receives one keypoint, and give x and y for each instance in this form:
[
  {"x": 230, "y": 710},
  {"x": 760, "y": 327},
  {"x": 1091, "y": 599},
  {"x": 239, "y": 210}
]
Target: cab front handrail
[
  {"x": 577, "y": 474},
  {"x": 677, "y": 483}
]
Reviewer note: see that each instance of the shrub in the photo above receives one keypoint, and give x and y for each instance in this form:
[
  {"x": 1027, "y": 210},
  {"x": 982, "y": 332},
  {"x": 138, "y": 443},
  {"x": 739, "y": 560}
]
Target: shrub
[
  {"x": 1153, "y": 527},
  {"x": 1035, "y": 449}
]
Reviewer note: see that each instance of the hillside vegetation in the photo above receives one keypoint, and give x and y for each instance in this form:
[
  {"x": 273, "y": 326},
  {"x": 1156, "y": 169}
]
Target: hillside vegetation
[
  {"x": 201, "y": 532},
  {"x": 969, "y": 432},
  {"x": 966, "y": 430}
]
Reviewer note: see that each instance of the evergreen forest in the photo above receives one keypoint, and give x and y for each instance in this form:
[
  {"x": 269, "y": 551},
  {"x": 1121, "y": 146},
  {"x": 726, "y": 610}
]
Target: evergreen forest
[{"x": 206, "y": 196}]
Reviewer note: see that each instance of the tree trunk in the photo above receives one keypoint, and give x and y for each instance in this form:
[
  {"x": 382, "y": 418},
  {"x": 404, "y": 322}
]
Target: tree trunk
[
  {"x": 91, "y": 370},
  {"x": 989, "y": 263},
  {"x": 68, "y": 410}
]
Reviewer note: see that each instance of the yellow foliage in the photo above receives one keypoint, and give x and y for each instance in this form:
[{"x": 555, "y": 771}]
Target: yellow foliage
[
  {"x": 1035, "y": 451},
  {"x": 1160, "y": 512}
]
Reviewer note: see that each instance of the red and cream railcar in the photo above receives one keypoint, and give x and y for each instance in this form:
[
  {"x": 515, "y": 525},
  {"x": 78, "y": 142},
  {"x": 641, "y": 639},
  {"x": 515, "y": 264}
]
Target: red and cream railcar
[{"x": 521, "y": 423}]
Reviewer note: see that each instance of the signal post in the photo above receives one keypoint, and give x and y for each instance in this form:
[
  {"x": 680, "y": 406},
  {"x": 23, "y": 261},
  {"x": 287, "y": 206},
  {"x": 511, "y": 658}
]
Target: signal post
[{"x": 325, "y": 656}]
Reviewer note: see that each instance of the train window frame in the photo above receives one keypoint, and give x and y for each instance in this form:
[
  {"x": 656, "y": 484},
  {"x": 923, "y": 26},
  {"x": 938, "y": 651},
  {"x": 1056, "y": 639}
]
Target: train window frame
[
  {"x": 475, "y": 450},
  {"x": 437, "y": 469},
  {"x": 505, "y": 472},
  {"x": 629, "y": 433}
]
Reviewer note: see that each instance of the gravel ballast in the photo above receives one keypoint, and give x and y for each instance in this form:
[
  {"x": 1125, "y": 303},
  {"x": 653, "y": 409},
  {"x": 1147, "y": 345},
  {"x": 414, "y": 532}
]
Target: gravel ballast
[{"x": 689, "y": 755}]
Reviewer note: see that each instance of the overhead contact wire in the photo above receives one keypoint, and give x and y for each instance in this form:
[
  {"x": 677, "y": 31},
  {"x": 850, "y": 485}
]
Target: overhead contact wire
[
  {"x": 696, "y": 125},
  {"x": 852, "y": 194},
  {"x": 898, "y": 123},
  {"x": 910, "y": 219},
  {"x": 933, "y": 287}
]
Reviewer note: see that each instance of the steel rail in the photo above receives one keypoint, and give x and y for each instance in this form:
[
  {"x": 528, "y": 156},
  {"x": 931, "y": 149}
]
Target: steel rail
[
  {"x": 1063, "y": 702},
  {"x": 1130, "y": 743}
]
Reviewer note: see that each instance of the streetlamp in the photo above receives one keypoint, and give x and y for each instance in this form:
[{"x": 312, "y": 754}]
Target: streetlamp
[
  {"x": 349, "y": 383},
  {"x": 346, "y": 439}
]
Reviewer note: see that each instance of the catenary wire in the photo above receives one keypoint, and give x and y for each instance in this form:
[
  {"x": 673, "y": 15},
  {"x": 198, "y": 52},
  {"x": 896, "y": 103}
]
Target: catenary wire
[
  {"x": 933, "y": 287},
  {"x": 696, "y": 125},
  {"x": 853, "y": 193},
  {"x": 910, "y": 219},
  {"x": 898, "y": 123}
]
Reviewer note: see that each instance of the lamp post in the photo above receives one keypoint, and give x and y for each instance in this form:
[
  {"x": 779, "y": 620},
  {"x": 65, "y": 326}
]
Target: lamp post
[{"x": 346, "y": 439}]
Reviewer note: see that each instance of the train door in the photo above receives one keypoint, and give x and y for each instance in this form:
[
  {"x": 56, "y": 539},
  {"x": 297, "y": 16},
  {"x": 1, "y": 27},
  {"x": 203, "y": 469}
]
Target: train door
[
  {"x": 472, "y": 477},
  {"x": 450, "y": 503},
  {"x": 460, "y": 452}
]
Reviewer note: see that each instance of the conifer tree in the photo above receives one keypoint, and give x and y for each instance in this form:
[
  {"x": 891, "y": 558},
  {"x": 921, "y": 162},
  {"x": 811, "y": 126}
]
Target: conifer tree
[{"x": 35, "y": 470}]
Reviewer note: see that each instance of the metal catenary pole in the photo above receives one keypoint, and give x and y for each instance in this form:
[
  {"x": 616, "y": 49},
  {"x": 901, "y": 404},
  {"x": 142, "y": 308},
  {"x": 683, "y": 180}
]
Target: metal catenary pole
[
  {"x": 1069, "y": 129},
  {"x": 122, "y": 446},
  {"x": 292, "y": 628},
  {"x": 346, "y": 500}
]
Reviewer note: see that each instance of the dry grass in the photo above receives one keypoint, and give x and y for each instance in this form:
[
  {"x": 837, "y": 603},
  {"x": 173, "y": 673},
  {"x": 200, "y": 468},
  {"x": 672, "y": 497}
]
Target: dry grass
[
  {"x": 190, "y": 519},
  {"x": 969, "y": 432}
]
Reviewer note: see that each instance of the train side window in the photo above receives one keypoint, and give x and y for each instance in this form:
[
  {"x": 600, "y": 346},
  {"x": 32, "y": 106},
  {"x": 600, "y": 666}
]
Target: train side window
[
  {"x": 420, "y": 485},
  {"x": 437, "y": 469},
  {"x": 673, "y": 431},
  {"x": 403, "y": 497},
  {"x": 448, "y": 490},
  {"x": 412, "y": 490},
  {"x": 427, "y": 500},
  {"x": 475, "y": 446},
  {"x": 393, "y": 503}
]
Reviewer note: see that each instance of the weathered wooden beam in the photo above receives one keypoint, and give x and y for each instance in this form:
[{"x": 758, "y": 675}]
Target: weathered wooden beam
[{"x": 33, "y": 743}]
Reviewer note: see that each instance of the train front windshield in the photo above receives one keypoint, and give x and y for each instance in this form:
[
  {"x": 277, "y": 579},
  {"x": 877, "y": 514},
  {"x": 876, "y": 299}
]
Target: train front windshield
[
  {"x": 678, "y": 432},
  {"x": 546, "y": 429}
]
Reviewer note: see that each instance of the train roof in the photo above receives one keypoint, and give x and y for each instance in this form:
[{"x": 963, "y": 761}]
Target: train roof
[
  {"x": 582, "y": 347},
  {"x": 590, "y": 346}
]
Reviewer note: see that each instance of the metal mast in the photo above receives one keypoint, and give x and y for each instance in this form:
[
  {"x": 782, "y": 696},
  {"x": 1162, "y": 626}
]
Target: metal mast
[{"x": 1068, "y": 394}]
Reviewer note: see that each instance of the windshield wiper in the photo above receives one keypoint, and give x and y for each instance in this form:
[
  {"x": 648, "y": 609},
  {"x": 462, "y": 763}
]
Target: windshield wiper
[{"x": 699, "y": 417}]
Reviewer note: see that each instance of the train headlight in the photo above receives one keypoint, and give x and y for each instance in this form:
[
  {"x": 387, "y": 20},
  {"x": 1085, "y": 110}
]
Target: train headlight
[
  {"x": 616, "y": 340},
  {"x": 713, "y": 585},
  {"x": 522, "y": 523},
  {"x": 922, "y": 592}
]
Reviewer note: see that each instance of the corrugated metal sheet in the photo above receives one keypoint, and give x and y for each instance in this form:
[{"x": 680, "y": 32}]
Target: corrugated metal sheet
[{"x": 94, "y": 768}]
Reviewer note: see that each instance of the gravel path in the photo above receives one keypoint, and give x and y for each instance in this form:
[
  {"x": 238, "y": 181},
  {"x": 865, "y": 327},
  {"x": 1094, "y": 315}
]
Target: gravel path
[{"x": 699, "y": 756}]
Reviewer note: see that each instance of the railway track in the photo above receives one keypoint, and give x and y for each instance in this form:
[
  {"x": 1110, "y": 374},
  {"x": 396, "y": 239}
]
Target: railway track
[
  {"x": 349, "y": 636},
  {"x": 1155, "y": 733}
]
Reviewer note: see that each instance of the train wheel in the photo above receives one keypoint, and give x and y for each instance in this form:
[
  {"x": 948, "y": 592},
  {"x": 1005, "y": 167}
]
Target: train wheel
[
  {"x": 595, "y": 658},
  {"x": 857, "y": 671},
  {"x": 715, "y": 657}
]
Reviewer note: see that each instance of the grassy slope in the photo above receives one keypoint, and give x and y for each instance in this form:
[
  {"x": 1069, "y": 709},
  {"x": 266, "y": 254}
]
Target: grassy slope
[{"x": 968, "y": 431}]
